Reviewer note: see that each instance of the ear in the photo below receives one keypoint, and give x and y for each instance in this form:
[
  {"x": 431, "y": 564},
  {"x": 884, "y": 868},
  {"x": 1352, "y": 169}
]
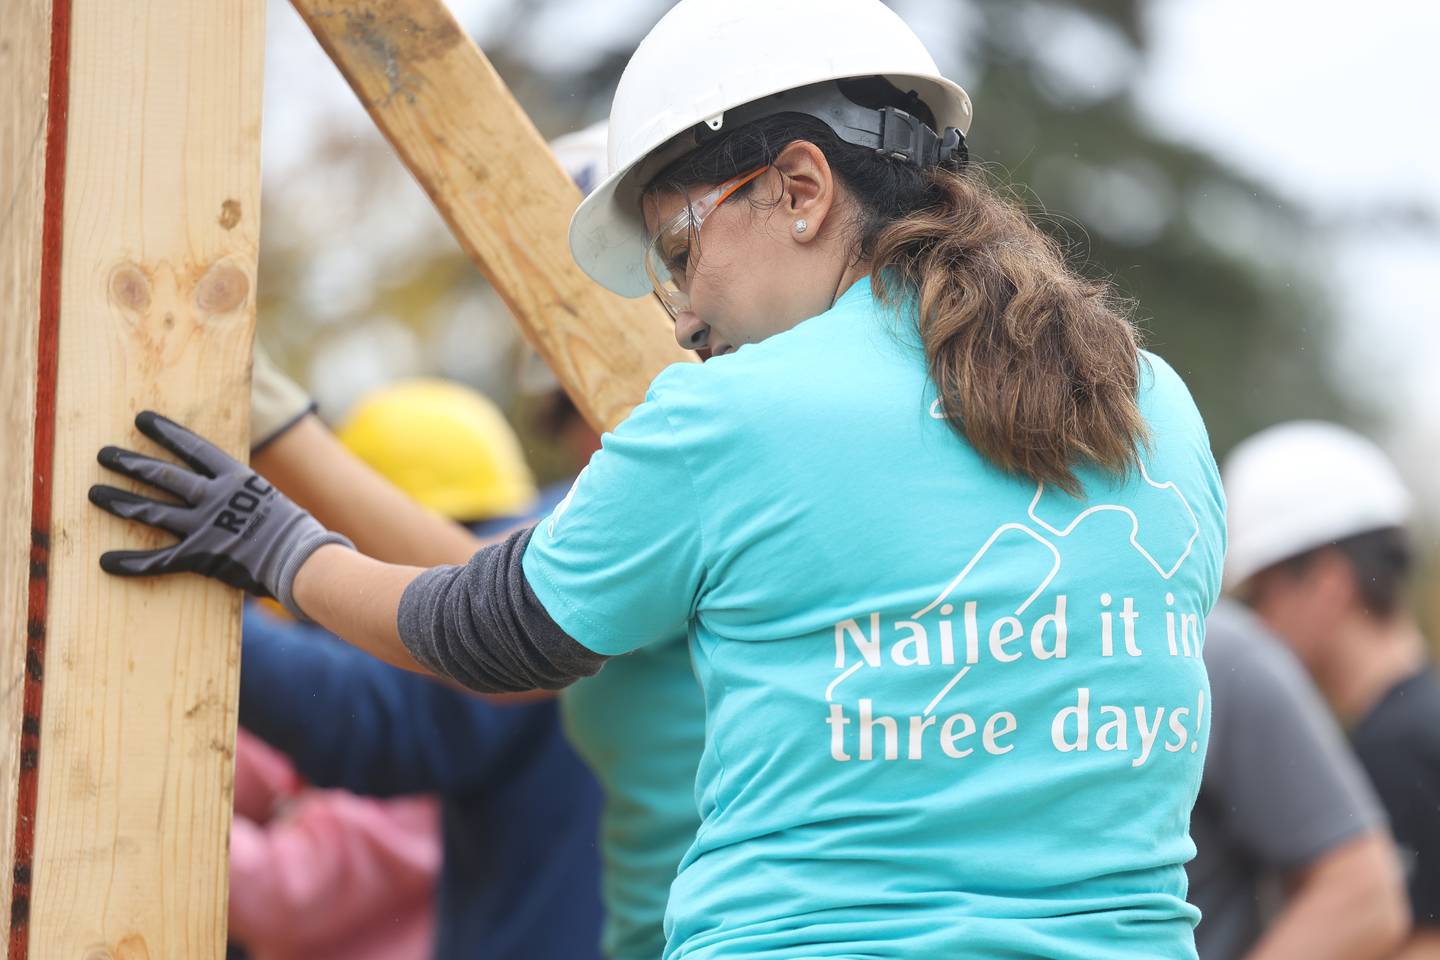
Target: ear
[{"x": 807, "y": 188}]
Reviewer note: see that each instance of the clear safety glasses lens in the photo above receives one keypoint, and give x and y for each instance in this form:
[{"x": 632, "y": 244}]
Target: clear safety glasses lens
[
  {"x": 667, "y": 261},
  {"x": 673, "y": 250}
]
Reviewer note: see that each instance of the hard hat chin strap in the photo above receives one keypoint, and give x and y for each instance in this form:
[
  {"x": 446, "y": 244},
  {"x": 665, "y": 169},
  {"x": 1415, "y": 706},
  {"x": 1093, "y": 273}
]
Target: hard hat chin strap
[{"x": 889, "y": 130}]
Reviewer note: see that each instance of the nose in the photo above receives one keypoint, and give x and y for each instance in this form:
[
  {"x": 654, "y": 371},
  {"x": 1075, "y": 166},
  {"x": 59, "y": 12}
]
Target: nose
[{"x": 690, "y": 332}]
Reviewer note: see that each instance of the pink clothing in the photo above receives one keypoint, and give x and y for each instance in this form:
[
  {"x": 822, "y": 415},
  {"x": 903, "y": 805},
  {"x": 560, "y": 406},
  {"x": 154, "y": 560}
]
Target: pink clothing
[
  {"x": 264, "y": 778},
  {"x": 323, "y": 874}
]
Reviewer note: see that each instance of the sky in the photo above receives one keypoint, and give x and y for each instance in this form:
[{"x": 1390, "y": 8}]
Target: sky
[
  {"x": 1325, "y": 101},
  {"x": 1332, "y": 104}
]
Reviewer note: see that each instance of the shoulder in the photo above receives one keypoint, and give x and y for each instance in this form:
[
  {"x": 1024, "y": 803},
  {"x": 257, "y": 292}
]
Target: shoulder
[
  {"x": 1156, "y": 373},
  {"x": 1164, "y": 397},
  {"x": 1246, "y": 661},
  {"x": 851, "y": 354},
  {"x": 755, "y": 374},
  {"x": 1406, "y": 722},
  {"x": 1233, "y": 633}
]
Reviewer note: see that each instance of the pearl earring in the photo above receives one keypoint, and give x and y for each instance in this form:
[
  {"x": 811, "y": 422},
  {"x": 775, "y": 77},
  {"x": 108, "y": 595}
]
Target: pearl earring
[{"x": 801, "y": 226}]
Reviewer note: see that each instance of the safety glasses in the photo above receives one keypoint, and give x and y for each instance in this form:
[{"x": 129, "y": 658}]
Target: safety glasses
[{"x": 675, "y": 247}]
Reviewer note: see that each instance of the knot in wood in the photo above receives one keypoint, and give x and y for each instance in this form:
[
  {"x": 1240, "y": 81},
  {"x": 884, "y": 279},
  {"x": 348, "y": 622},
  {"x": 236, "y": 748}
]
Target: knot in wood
[
  {"x": 130, "y": 287},
  {"x": 229, "y": 214},
  {"x": 222, "y": 289}
]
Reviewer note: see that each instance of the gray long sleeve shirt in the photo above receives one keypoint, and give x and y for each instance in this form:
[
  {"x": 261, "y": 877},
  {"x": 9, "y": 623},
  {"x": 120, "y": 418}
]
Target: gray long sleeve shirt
[{"x": 483, "y": 627}]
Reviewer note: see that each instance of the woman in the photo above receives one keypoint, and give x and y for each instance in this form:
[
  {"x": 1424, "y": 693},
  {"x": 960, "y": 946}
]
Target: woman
[{"x": 940, "y": 537}]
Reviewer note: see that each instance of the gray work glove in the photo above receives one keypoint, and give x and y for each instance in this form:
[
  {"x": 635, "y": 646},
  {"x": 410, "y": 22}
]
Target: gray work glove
[{"x": 233, "y": 525}]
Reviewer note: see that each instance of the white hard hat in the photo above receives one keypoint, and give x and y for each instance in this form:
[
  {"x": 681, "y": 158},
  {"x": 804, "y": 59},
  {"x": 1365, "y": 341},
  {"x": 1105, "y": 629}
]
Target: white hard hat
[
  {"x": 1300, "y": 485},
  {"x": 706, "y": 57},
  {"x": 582, "y": 154}
]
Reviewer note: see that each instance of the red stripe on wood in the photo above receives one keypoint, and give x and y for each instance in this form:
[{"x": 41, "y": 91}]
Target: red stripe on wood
[{"x": 41, "y": 490}]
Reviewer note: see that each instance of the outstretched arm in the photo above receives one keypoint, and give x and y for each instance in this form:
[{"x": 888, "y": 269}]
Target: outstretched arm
[
  {"x": 480, "y": 624},
  {"x": 358, "y": 598},
  {"x": 315, "y": 470},
  {"x": 292, "y": 449},
  {"x": 620, "y": 563},
  {"x": 297, "y": 453}
]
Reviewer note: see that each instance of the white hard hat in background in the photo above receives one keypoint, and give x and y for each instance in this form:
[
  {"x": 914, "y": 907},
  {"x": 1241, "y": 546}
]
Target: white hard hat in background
[
  {"x": 705, "y": 57},
  {"x": 1300, "y": 485},
  {"x": 582, "y": 154}
]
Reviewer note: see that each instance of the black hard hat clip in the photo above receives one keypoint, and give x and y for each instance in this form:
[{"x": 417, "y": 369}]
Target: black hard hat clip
[{"x": 908, "y": 138}]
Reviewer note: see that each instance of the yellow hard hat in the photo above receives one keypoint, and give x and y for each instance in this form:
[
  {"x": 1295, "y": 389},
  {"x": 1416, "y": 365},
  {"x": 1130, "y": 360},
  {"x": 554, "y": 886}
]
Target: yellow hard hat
[{"x": 445, "y": 445}]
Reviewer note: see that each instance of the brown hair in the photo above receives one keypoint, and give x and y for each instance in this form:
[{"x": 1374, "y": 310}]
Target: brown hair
[
  {"x": 1381, "y": 561},
  {"x": 1036, "y": 365}
]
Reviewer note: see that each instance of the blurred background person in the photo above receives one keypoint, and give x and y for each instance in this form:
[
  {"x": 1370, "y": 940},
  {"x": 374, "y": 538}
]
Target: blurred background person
[
  {"x": 325, "y": 874},
  {"x": 1293, "y": 855},
  {"x": 1319, "y": 548},
  {"x": 519, "y": 811}
]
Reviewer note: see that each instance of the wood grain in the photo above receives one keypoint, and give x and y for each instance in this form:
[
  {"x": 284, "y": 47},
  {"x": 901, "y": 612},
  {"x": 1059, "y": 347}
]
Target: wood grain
[
  {"x": 506, "y": 199},
  {"x": 155, "y": 278},
  {"x": 25, "y": 63}
]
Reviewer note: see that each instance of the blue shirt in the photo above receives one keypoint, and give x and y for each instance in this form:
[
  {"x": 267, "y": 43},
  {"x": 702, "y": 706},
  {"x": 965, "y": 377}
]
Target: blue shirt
[
  {"x": 519, "y": 810},
  {"x": 950, "y": 712}
]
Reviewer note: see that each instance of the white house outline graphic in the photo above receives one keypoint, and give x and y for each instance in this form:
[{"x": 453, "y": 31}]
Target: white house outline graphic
[
  {"x": 1057, "y": 532},
  {"x": 1134, "y": 523}
]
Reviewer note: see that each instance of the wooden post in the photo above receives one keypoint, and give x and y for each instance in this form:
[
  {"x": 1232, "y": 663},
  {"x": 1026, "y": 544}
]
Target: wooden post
[
  {"x": 128, "y": 240},
  {"x": 24, "y": 62},
  {"x": 458, "y": 129}
]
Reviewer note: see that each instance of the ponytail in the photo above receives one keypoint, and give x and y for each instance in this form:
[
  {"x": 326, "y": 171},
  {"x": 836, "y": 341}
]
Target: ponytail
[{"x": 1035, "y": 365}]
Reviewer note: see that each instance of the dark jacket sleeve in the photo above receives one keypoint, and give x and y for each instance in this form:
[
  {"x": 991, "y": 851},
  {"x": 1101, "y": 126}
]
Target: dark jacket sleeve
[
  {"x": 349, "y": 721},
  {"x": 483, "y": 627}
]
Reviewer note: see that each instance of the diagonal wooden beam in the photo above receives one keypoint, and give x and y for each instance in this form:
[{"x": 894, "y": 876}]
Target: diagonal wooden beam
[{"x": 508, "y": 202}]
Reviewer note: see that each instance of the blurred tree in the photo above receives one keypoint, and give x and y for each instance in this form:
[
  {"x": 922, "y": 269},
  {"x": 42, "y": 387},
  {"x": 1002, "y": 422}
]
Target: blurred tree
[{"x": 1227, "y": 279}]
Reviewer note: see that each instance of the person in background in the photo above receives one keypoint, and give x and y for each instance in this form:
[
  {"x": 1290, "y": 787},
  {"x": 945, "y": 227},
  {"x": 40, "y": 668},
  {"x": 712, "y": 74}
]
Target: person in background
[
  {"x": 316, "y": 874},
  {"x": 519, "y": 811},
  {"x": 447, "y": 446},
  {"x": 325, "y": 874},
  {"x": 1320, "y": 551},
  {"x": 1285, "y": 813}
]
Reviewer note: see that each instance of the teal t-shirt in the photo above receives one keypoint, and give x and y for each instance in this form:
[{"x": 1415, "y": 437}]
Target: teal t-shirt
[
  {"x": 950, "y": 712},
  {"x": 646, "y": 766}
]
